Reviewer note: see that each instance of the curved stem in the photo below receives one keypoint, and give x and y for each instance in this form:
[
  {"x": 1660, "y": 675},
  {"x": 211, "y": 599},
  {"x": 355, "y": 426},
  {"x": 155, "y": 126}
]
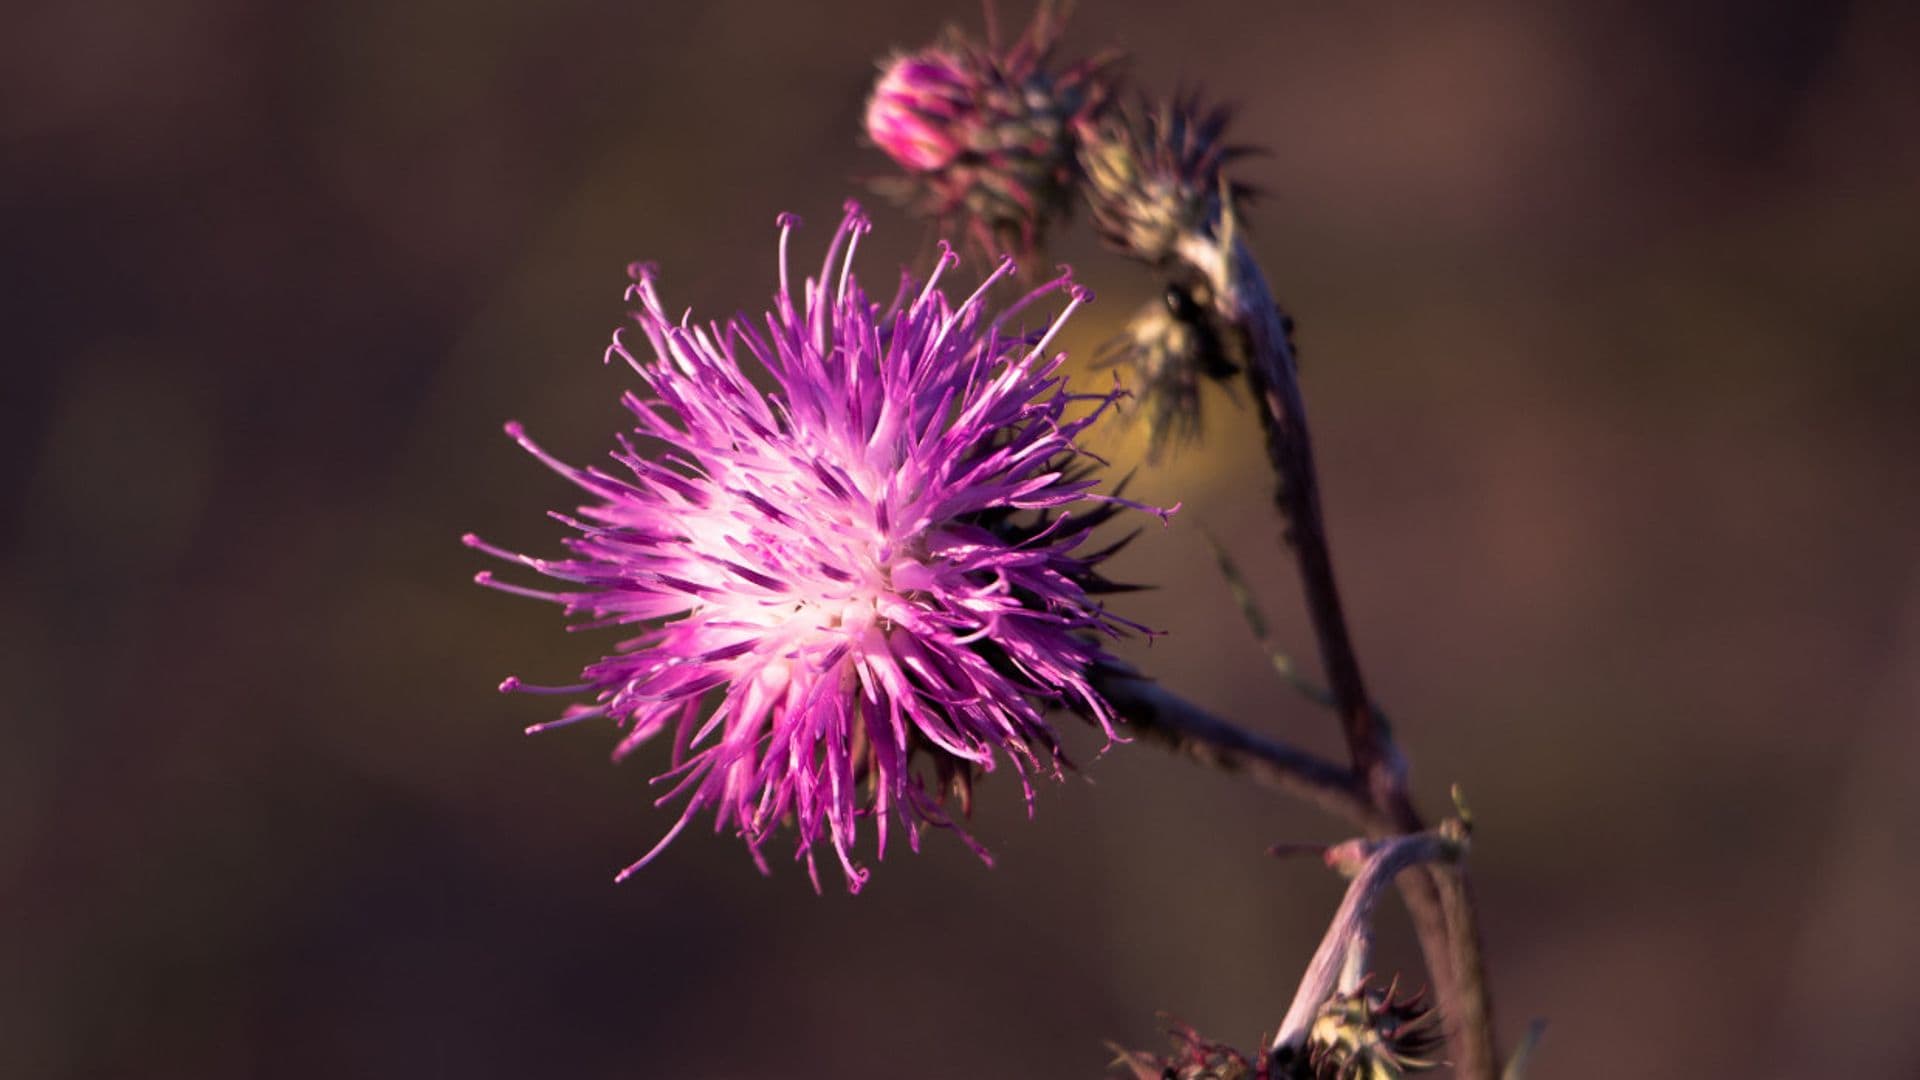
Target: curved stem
[{"x": 1377, "y": 863}]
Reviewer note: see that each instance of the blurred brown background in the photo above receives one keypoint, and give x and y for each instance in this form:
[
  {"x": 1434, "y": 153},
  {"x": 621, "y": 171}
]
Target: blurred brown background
[{"x": 1608, "y": 313}]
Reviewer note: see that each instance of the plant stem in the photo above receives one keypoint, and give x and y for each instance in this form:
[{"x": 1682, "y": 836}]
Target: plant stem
[
  {"x": 1437, "y": 896},
  {"x": 1351, "y": 924},
  {"x": 1165, "y": 717}
]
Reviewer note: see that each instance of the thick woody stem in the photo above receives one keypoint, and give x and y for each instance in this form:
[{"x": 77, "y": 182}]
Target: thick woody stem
[{"x": 1436, "y": 896}]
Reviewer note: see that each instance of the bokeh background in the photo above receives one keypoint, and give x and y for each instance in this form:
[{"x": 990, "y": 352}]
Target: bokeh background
[{"x": 1609, "y": 322}]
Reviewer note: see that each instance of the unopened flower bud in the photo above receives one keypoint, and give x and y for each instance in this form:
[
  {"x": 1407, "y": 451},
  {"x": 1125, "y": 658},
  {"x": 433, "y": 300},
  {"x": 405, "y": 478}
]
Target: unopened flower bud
[
  {"x": 914, "y": 108},
  {"x": 1154, "y": 177},
  {"x": 988, "y": 137}
]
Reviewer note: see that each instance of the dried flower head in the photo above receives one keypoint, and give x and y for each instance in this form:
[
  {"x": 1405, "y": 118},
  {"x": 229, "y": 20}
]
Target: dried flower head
[
  {"x": 1168, "y": 346},
  {"x": 987, "y": 135},
  {"x": 1194, "y": 1058},
  {"x": 1371, "y": 1034},
  {"x": 1153, "y": 175},
  {"x": 871, "y": 574}
]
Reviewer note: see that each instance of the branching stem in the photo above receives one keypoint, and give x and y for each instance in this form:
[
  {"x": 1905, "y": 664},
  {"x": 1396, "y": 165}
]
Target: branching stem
[{"x": 1157, "y": 713}]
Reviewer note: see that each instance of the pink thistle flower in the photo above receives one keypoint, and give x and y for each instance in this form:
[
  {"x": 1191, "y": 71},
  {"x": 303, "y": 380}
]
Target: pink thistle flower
[{"x": 870, "y": 573}]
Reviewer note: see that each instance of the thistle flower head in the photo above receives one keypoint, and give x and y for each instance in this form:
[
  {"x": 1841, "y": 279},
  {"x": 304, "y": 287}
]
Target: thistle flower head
[
  {"x": 1372, "y": 1034},
  {"x": 987, "y": 135},
  {"x": 1153, "y": 175},
  {"x": 852, "y": 592}
]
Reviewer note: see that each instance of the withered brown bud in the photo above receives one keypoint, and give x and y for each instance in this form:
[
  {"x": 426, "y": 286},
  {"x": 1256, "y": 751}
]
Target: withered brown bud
[{"x": 1372, "y": 1034}]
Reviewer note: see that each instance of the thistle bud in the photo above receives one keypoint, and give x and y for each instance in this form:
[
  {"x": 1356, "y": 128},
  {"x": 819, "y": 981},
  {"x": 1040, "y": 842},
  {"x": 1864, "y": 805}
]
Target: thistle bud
[
  {"x": 1153, "y": 177},
  {"x": 912, "y": 112},
  {"x": 988, "y": 137}
]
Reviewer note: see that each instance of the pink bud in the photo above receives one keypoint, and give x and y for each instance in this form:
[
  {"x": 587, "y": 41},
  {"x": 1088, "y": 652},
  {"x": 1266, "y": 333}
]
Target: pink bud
[{"x": 914, "y": 108}]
